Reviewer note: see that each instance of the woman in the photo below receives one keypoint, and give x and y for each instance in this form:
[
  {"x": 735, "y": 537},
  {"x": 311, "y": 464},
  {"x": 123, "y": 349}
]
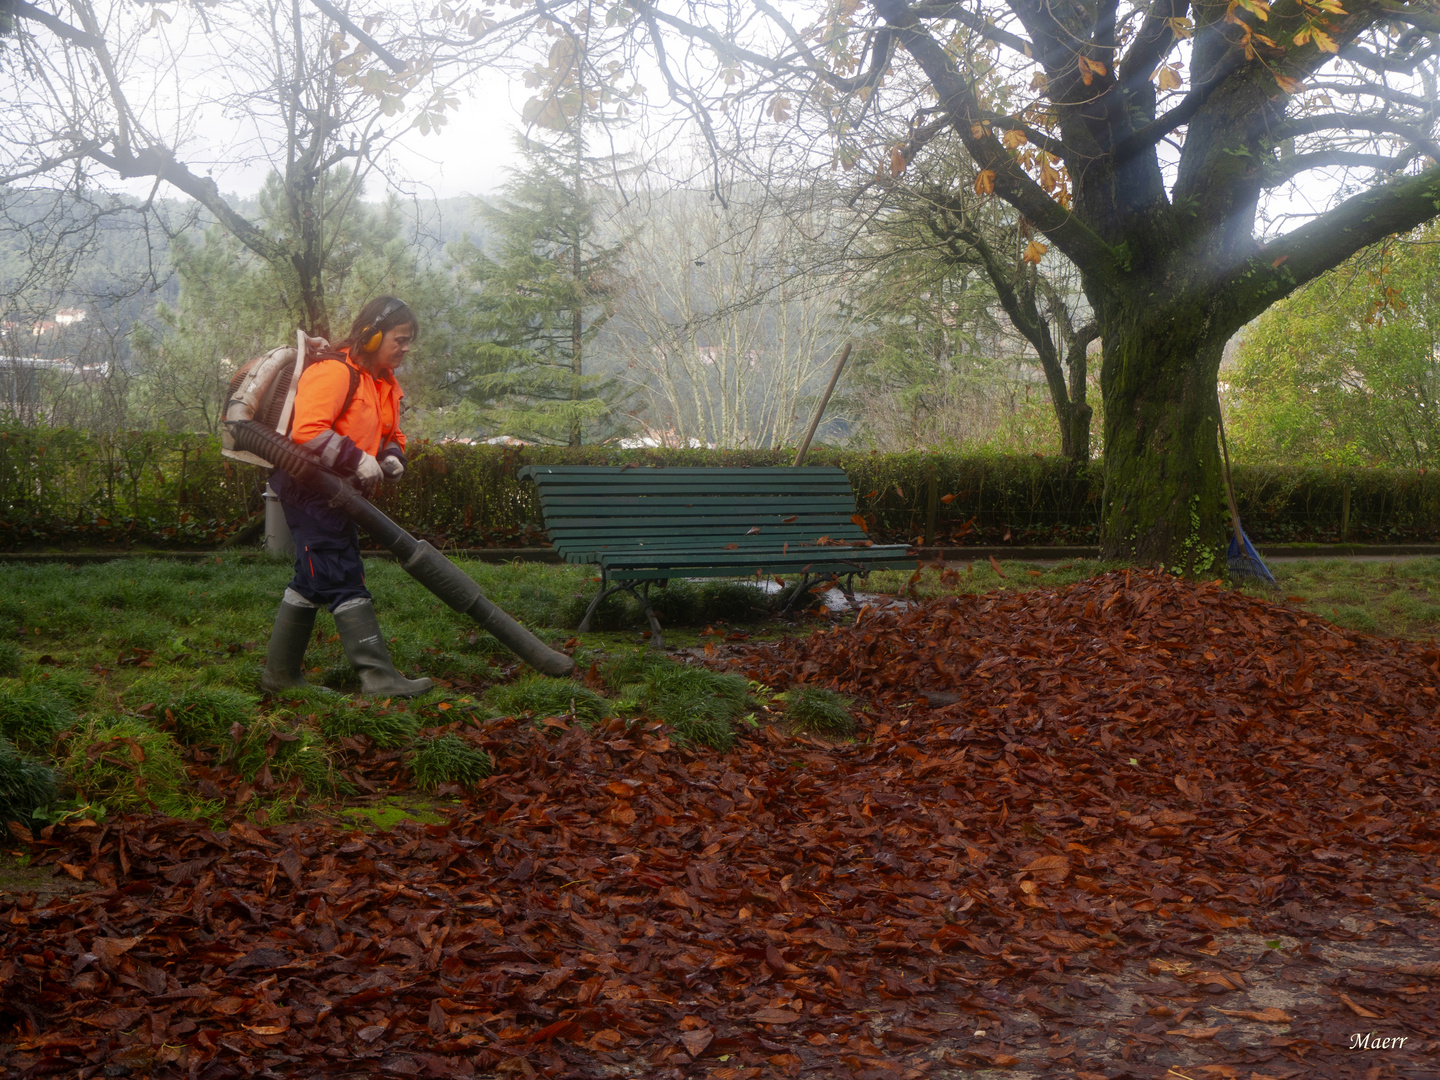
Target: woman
[{"x": 347, "y": 414}]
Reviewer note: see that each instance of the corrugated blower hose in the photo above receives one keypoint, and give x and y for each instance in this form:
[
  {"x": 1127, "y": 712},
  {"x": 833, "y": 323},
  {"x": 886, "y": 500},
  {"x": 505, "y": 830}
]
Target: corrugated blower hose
[{"x": 416, "y": 557}]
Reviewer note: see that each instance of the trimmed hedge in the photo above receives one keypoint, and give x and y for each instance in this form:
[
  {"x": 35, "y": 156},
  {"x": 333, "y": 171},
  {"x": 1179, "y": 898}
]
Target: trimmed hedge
[
  {"x": 72, "y": 488},
  {"x": 59, "y": 486}
]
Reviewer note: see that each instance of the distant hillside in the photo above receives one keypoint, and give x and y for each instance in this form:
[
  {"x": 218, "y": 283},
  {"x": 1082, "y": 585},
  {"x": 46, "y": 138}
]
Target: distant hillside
[{"x": 99, "y": 253}]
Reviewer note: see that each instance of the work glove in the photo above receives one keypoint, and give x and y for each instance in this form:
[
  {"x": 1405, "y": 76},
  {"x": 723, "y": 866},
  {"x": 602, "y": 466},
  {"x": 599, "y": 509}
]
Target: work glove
[
  {"x": 368, "y": 474},
  {"x": 392, "y": 467}
]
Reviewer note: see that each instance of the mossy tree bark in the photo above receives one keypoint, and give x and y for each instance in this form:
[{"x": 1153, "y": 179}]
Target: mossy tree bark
[{"x": 1163, "y": 500}]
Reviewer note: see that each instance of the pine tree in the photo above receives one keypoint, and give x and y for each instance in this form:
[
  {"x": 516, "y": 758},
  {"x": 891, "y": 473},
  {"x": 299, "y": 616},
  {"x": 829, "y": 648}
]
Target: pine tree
[{"x": 540, "y": 295}]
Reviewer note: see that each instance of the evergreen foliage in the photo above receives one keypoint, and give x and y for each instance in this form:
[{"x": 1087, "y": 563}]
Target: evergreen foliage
[
  {"x": 62, "y": 487},
  {"x": 539, "y": 294}
]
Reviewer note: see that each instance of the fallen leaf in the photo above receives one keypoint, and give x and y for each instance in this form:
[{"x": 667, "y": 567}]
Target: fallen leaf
[
  {"x": 268, "y": 1029},
  {"x": 1267, "y": 1015},
  {"x": 696, "y": 1041},
  {"x": 1358, "y": 1010},
  {"x": 1049, "y": 868}
]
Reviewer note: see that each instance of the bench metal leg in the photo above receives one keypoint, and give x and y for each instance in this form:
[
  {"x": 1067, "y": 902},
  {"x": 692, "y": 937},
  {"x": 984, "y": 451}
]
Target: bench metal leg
[
  {"x": 605, "y": 590},
  {"x": 657, "y": 636},
  {"x": 800, "y": 591}
]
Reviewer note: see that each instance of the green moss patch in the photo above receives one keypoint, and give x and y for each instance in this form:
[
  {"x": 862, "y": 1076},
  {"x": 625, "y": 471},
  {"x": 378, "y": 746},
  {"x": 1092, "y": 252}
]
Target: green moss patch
[{"x": 392, "y": 811}]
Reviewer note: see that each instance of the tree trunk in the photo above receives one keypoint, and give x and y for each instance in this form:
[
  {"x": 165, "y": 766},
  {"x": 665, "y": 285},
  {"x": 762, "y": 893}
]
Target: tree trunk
[
  {"x": 1074, "y": 431},
  {"x": 312, "y": 297},
  {"x": 577, "y": 359},
  {"x": 1163, "y": 502}
]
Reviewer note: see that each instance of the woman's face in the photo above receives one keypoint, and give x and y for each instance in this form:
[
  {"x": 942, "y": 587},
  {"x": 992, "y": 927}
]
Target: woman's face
[{"x": 393, "y": 347}]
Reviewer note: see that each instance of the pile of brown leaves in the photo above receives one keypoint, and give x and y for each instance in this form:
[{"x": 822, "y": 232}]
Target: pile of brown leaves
[{"x": 1055, "y": 871}]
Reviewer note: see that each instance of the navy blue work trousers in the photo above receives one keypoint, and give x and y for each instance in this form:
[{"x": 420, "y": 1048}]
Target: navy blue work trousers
[{"x": 328, "y": 567}]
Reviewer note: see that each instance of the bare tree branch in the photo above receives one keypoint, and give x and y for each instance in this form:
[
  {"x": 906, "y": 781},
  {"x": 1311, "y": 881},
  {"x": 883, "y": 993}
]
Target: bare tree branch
[{"x": 393, "y": 62}]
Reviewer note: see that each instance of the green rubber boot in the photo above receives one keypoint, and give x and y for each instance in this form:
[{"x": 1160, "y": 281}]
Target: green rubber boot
[
  {"x": 365, "y": 647},
  {"x": 285, "y": 656}
]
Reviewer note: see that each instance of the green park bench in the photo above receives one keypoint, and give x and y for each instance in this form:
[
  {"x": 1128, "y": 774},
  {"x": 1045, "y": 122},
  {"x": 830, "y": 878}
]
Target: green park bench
[{"x": 644, "y": 525}]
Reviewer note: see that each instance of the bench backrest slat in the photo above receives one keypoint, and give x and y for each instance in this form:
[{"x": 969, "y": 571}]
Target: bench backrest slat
[{"x": 592, "y": 509}]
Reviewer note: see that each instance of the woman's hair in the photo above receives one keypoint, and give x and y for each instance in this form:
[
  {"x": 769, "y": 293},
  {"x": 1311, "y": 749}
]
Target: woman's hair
[{"x": 382, "y": 313}]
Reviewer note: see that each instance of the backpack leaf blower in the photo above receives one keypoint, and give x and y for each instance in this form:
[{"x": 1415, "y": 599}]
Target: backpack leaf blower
[{"x": 416, "y": 557}]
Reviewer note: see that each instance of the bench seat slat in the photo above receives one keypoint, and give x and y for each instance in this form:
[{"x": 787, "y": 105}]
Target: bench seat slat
[
  {"x": 694, "y": 541},
  {"x": 599, "y": 488},
  {"x": 818, "y": 524},
  {"x": 615, "y": 505},
  {"x": 686, "y": 473},
  {"x": 744, "y": 558},
  {"x": 690, "y": 542},
  {"x": 661, "y": 481},
  {"x": 591, "y": 553},
  {"x": 750, "y": 567}
]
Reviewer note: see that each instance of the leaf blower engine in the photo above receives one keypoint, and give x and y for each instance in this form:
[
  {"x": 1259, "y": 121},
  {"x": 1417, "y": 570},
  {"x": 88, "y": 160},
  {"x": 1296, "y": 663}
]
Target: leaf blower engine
[{"x": 260, "y": 443}]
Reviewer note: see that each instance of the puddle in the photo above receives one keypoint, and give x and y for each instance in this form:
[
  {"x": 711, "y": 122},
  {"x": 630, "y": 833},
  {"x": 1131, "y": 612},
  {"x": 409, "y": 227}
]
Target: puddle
[{"x": 835, "y": 599}]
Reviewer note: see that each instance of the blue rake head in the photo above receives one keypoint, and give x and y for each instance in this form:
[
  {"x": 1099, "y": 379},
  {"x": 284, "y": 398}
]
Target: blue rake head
[{"x": 1244, "y": 561}]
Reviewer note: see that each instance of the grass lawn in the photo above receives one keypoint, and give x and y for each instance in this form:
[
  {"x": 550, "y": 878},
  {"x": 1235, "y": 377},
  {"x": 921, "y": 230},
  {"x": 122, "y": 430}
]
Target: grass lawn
[
  {"x": 1393, "y": 598},
  {"x": 139, "y": 679}
]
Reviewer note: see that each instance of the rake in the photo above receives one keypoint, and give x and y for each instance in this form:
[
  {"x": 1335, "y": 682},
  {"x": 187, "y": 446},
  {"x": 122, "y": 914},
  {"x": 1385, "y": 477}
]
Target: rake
[{"x": 1242, "y": 558}]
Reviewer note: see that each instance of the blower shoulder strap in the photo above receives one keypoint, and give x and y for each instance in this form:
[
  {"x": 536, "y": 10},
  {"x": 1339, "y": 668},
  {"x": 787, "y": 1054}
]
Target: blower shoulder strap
[
  {"x": 350, "y": 369},
  {"x": 354, "y": 389}
]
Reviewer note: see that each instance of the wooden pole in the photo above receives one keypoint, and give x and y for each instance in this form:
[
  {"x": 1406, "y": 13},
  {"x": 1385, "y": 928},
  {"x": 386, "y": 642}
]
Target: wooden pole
[
  {"x": 824, "y": 401},
  {"x": 1230, "y": 487}
]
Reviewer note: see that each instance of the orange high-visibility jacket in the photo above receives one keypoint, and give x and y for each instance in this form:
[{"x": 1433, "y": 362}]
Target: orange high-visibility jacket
[{"x": 371, "y": 422}]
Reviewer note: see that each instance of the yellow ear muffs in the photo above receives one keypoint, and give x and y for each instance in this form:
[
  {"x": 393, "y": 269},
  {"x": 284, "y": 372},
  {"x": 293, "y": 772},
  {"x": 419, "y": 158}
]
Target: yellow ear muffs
[{"x": 372, "y": 335}]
